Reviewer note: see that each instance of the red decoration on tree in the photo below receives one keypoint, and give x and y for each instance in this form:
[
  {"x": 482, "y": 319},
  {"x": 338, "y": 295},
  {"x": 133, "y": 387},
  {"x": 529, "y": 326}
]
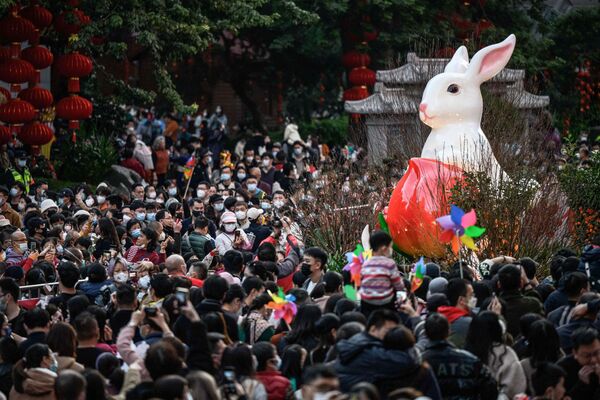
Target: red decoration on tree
[
  {"x": 16, "y": 71},
  {"x": 355, "y": 59},
  {"x": 70, "y": 22},
  {"x": 38, "y": 97},
  {"x": 39, "y": 16},
  {"x": 74, "y": 66},
  {"x": 5, "y": 135},
  {"x": 16, "y": 111},
  {"x": 73, "y": 109},
  {"x": 362, "y": 76},
  {"x": 356, "y": 93},
  {"x": 40, "y": 57},
  {"x": 14, "y": 29},
  {"x": 35, "y": 134}
]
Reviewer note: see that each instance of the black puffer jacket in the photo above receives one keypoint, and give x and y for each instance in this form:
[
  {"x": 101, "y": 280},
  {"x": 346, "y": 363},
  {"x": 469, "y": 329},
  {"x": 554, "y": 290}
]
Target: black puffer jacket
[
  {"x": 362, "y": 358},
  {"x": 460, "y": 374}
]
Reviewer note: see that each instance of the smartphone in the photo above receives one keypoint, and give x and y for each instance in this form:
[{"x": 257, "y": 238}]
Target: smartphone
[
  {"x": 229, "y": 375},
  {"x": 401, "y": 296},
  {"x": 150, "y": 311},
  {"x": 182, "y": 295},
  {"x": 32, "y": 246}
]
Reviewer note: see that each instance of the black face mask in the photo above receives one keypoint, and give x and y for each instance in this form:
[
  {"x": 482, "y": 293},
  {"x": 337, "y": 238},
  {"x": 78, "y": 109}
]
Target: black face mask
[
  {"x": 197, "y": 213},
  {"x": 305, "y": 269}
]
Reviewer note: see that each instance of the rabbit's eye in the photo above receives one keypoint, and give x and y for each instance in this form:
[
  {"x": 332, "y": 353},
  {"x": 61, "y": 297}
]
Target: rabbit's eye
[{"x": 453, "y": 89}]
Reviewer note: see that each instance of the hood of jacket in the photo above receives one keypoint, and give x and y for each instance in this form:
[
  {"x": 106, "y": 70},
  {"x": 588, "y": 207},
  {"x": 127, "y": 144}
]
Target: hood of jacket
[
  {"x": 452, "y": 313},
  {"x": 39, "y": 381}
]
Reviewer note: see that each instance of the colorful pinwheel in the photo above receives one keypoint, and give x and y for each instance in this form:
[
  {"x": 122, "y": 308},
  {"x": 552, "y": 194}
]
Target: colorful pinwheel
[
  {"x": 417, "y": 274},
  {"x": 355, "y": 261},
  {"x": 460, "y": 225},
  {"x": 283, "y": 305}
]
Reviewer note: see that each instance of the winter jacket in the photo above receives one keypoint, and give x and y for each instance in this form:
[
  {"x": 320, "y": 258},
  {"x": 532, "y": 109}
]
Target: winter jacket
[
  {"x": 460, "y": 374},
  {"x": 590, "y": 265},
  {"x": 565, "y": 332},
  {"x": 260, "y": 232},
  {"x": 362, "y": 358},
  {"x": 459, "y": 320},
  {"x": 518, "y": 305},
  {"x": 278, "y": 386},
  {"x": 38, "y": 384},
  {"x": 199, "y": 244},
  {"x": 507, "y": 370}
]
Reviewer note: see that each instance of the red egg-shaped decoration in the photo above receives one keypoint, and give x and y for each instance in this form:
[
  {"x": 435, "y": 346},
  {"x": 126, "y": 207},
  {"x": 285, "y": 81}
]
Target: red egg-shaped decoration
[
  {"x": 362, "y": 76},
  {"x": 39, "y": 56},
  {"x": 38, "y": 97},
  {"x": 35, "y": 134},
  {"x": 355, "y": 59},
  {"x": 39, "y": 16},
  {"x": 16, "y": 71},
  {"x": 73, "y": 109},
  {"x": 16, "y": 111},
  {"x": 70, "y": 22},
  {"x": 74, "y": 64},
  {"x": 5, "y": 135},
  {"x": 420, "y": 197},
  {"x": 15, "y": 29}
]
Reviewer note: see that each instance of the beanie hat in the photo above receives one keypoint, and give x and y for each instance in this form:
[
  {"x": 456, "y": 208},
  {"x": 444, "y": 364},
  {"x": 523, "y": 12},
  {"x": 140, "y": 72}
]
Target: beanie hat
[{"x": 228, "y": 218}]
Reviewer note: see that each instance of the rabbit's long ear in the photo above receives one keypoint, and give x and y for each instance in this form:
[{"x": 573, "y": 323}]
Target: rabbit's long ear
[
  {"x": 490, "y": 60},
  {"x": 459, "y": 62}
]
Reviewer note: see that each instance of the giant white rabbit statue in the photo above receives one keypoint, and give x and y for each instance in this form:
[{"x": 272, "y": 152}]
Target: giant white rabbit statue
[{"x": 452, "y": 106}]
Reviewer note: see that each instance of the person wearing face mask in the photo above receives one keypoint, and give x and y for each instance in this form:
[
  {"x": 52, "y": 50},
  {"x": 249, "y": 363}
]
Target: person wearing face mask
[
  {"x": 37, "y": 228},
  {"x": 252, "y": 188},
  {"x": 102, "y": 194},
  {"x": 380, "y": 278},
  {"x": 461, "y": 298},
  {"x": 10, "y": 293},
  {"x": 198, "y": 241},
  {"x": 241, "y": 214},
  {"x": 160, "y": 157},
  {"x": 267, "y": 372},
  {"x": 204, "y": 168},
  {"x": 16, "y": 254},
  {"x": 216, "y": 208},
  {"x": 234, "y": 301},
  {"x": 226, "y": 181},
  {"x": 202, "y": 191},
  {"x": 231, "y": 237},
  {"x": 197, "y": 211},
  {"x": 267, "y": 169},
  {"x": 19, "y": 173},
  {"x": 17, "y": 197},
  {"x": 6, "y": 210},
  {"x": 299, "y": 158},
  {"x": 35, "y": 375},
  {"x": 313, "y": 267}
]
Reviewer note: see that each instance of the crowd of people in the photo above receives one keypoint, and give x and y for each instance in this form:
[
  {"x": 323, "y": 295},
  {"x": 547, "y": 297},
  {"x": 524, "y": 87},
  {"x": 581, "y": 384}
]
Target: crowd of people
[{"x": 168, "y": 291}]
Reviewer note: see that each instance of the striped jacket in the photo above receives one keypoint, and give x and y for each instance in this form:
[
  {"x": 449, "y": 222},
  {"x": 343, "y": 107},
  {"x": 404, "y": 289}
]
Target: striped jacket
[{"x": 379, "y": 278}]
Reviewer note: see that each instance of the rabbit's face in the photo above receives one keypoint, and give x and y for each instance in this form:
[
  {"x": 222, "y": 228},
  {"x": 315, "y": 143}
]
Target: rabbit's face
[{"x": 450, "y": 98}]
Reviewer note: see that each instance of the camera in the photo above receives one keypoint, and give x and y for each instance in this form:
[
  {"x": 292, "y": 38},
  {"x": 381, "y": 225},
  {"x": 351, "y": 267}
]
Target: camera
[
  {"x": 150, "y": 311},
  {"x": 182, "y": 295}
]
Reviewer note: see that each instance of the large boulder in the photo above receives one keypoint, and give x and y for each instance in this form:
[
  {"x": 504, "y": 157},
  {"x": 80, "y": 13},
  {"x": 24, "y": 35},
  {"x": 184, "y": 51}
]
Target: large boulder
[{"x": 122, "y": 178}]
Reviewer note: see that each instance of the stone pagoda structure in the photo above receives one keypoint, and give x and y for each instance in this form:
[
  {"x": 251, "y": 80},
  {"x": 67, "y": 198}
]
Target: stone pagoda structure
[{"x": 392, "y": 114}]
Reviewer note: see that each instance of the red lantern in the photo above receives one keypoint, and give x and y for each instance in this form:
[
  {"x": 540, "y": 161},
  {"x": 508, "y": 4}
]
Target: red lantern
[
  {"x": 369, "y": 36},
  {"x": 5, "y": 53},
  {"x": 356, "y": 93},
  {"x": 16, "y": 111},
  {"x": 35, "y": 134},
  {"x": 5, "y": 93},
  {"x": 16, "y": 71},
  {"x": 15, "y": 29},
  {"x": 74, "y": 66},
  {"x": 40, "y": 57},
  {"x": 362, "y": 76},
  {"x": 39, "y": 16},
  {"x": 38, "y": 97},
  {"x": 354, "y": 59},
  {"x": 74, "y": 108},
  {"x": 70, "y": 22},
  {"x": 5, "y": 135}
]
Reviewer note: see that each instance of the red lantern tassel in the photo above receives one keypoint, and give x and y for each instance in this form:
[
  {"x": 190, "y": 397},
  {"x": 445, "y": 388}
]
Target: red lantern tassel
[
  {"x": 74, "y": 137},
  {"x": 15, "y": 87},
  {"x": 73, "y": 85}
]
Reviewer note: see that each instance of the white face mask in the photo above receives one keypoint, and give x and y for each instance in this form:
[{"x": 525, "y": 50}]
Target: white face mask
[
  {"x": 229, "y": 227},
  {"x": 151, "y": 195},
  {"x": 23, "y": 247},
  {"x": 101, "y": 199},
  {"x": 89, "y": 202},
  {"x": 14, "y": 192},
  {"x": 266, "y": 163},
  {"x": 22, "y": 163},
  {"x": 172, "y": 191},
  {"x": 162, "y": 237},
  {"x": 219, "y": 206},
  {"x": 472, "y": 302},
  {"x": 126, "y": 218},
  {"x": 201, "y": 193},
  {"x": 144, "y": 282},
  {"x": 278, "y": 203},
  {"x": 240, "y": 215},
  {"x": 252, "y": 187},
  {"x": 121, "y": 277}
]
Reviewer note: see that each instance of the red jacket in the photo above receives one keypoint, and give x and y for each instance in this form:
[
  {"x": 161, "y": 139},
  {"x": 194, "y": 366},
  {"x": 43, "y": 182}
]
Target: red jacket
[
  {"x": 134, "y": 165},
  {"x": 278, "y": 386}
]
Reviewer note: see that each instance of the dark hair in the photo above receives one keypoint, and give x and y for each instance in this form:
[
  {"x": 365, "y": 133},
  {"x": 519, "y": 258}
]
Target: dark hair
[
  {"x": 343, "y": 306},
  {"x": 544, "y": 343},
  {"x": 484, "y": 332},
  {"x": 252, "y": 282},
  {"x": 574, "y": 283},
  {"x": 348, "y": 329},
  {"x": 318, "y": 254},
  {"x": 36, "y": 318},
  {"x": 234, "y": 292},
  {"x": 233, "y": 261},
  {"x": 96, "y": 273},
  {"x": 9, "y": 350},
  {"x": 266, "y": 252},
  {"x": 378, "y": 318},
  {"x": 69, "y": 385},
  {"x": 68, "y": 274},
  {"x": 529, "y": 266},
  {"x": 62, "y": 339},
  {"x": 126, "y": 295},
  {"x": 109, "y": 232},
  {"x": 9, "y": 285},
  {"x": 152, "y": 238},
  {"x": 35, "y": 354},
  {"x": 437, "y": 327},
  {"x": 456, "y": 288},
  {"x": 76, "y": 305},
  {"x": 263, "y": 351},
  {"x": 544, "y": 376},
  {"x": 319, "y": 371},
  {"x": 96, "y": 385},
  {"x": 333, "y": 280},
  {"x": 86, "y": 326},
  {"x": 526, "y": 321},
  {"x": 509, "y": 277},
  {"x": 47, "y": 268},
  {"x": 399, "y": 338},
  {"x": 584, "y": 337},
  {"x": 170, "y": 387},
  {"x": 239, "y": 357},
  {"x": 161, "y": 284},
  {"x": 215, "y": 288},
  {"x": 162, "y": 359},
  {"x": 291, "y": 363},
  {"x": 379, "y": 239},
  {"x": 303, "y": 325},
  {"x": 556, "y": 267},
  {"x": 201, "y": 223},
  {"x": 354, "y": 316}
]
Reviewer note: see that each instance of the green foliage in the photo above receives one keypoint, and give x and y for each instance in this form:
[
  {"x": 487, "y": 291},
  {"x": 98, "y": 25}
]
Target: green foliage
[
  {"x": 333, "y": 130},
  {"x": 87, "y": 160},
  {"x": 582, "y": 186}
]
